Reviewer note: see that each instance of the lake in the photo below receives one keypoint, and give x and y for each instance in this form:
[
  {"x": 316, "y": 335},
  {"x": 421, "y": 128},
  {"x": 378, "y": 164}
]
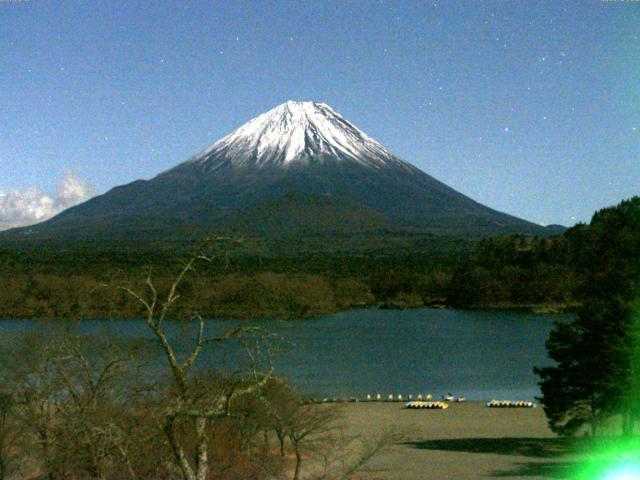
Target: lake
[{"x": 477, "y": 354}]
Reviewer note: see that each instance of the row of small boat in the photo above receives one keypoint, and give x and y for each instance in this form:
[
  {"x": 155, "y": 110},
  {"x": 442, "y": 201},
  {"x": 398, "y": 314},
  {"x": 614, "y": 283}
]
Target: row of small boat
[
  {"x": 510, "y": 404},
  {"x": 419, "y": 398},
  {"x": 427, "y": 405},
  {"x": 491, "y": 404}
]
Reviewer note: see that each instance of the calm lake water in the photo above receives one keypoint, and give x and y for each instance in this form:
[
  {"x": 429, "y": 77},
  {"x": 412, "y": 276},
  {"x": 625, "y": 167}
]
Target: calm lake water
[{"x": 478, "y": 354}]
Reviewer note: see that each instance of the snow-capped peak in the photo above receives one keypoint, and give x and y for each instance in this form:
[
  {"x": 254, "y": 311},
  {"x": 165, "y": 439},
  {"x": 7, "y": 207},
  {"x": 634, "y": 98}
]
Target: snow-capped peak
[{"x": 297, "y": 131}]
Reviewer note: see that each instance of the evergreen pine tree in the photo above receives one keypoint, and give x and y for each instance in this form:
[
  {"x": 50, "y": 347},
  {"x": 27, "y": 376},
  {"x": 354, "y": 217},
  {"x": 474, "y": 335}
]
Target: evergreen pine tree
[{"x": 597, "y": 355}]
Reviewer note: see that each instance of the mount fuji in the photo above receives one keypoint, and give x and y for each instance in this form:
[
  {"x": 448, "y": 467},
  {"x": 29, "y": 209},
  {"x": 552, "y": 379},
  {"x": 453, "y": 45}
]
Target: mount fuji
[{"x": 300, "y": 167}]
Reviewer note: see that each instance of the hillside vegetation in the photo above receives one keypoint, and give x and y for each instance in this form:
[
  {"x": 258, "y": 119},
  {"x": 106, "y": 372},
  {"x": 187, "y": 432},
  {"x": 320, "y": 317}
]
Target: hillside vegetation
[{"x": 297, "y": 277}]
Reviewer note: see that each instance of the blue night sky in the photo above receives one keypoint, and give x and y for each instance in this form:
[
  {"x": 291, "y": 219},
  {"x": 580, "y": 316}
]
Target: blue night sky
[{"x": 532, "y": 108}]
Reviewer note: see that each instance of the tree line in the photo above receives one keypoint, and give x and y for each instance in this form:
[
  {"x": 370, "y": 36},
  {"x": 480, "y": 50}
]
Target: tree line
[{"x": 498, "y": 272}]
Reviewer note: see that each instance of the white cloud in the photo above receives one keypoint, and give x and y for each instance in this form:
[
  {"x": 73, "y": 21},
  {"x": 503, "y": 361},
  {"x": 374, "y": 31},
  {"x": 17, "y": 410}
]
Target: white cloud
[{"x": 20, "y": 208}]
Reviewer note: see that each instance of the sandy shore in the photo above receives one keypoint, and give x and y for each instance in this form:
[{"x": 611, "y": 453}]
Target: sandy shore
[{"x": 466, "y": 441}]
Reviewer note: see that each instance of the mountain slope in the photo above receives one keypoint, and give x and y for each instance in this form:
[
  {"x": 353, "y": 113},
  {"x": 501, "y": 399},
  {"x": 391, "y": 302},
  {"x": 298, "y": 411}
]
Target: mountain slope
[{"x": 301, "y": 147}]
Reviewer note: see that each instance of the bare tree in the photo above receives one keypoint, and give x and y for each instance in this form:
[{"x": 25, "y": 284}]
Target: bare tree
[
  {"x": 309, "y": 430},
  {"x": 192, "y": 403},
  {"x": 28, "y": 375},
  {"x": 97, "y": 393},
  {"x": 70, "y": 400},
  {"x": 315, "y": 435},
  {"x": 10, "y": 434}
]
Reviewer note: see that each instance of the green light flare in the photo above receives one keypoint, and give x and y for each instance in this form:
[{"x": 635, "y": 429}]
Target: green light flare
[
  {"x": 610, "y": 457},
  {"x": 623, "y": 472},
  {"x": 613, "y": 459}
]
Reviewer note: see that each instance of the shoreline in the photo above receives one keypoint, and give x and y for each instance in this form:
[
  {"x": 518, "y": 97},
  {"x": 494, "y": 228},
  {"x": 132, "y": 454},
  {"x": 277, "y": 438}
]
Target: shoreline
[
  {"x": 542, "y": 309},
  {"x": 546, "y": 308}
]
